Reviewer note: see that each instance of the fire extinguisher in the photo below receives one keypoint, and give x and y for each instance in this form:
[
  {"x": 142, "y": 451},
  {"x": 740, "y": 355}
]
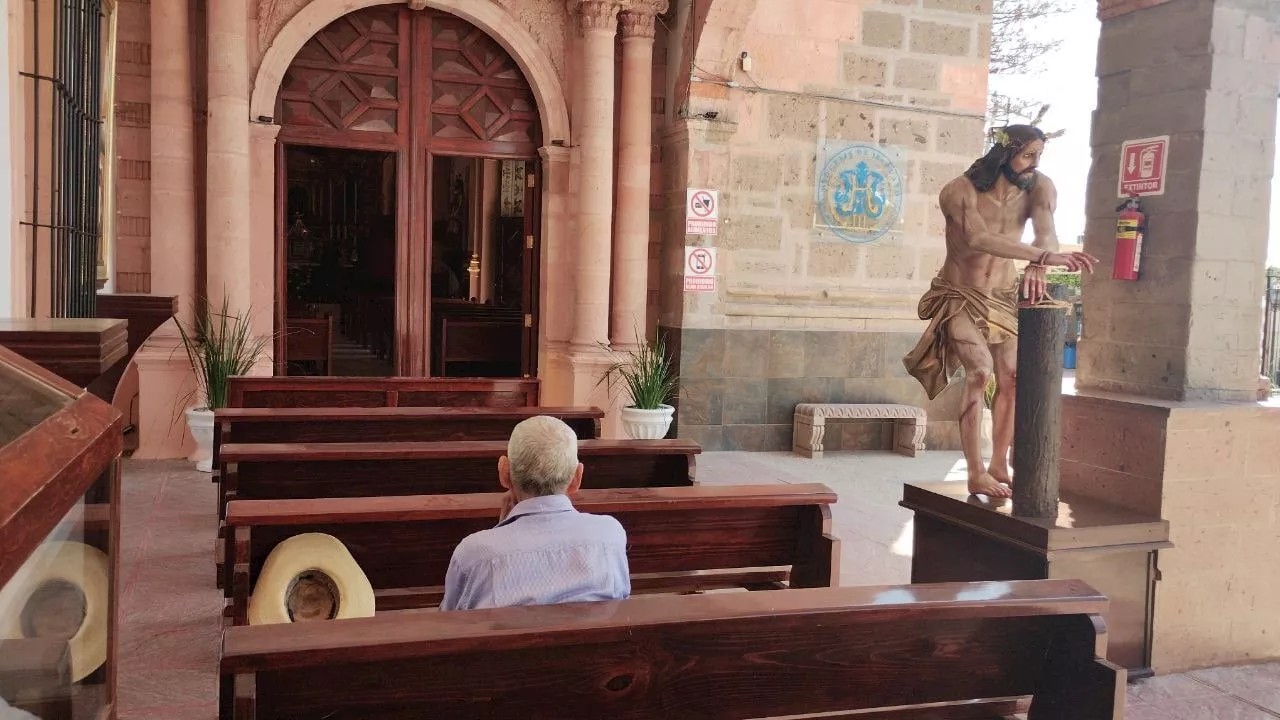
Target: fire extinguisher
[{"x": 1131, "y": 226}]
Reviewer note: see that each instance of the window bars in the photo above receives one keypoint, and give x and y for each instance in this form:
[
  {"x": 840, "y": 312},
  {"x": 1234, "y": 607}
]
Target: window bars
[{"x": 63, "y": 108}]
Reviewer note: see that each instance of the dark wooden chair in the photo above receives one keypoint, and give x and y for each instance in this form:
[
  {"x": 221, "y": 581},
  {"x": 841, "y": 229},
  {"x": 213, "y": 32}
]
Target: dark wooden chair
[
  {"x": 350, "y": 470},
  {"x": 956, "y": 650},
  {"x": 680, "y": 539},
  {"x": 370, "y": 392},
  {"x": 310, "y": 340}
]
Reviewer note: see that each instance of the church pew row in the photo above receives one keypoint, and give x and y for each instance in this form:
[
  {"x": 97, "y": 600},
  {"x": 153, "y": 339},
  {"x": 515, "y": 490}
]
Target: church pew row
[
  {"x": 678, "y": 539},
  {"x": 970, "y": 650},
  {"x": 335, "y": 391},
  {"x": 408, "y": 424},
  {"x": 344, "y": 470}
]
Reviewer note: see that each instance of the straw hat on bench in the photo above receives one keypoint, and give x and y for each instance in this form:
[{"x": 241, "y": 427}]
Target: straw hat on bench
[{"x": 308, "y": 577}]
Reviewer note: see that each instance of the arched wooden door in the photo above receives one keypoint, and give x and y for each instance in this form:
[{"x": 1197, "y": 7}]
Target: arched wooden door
[{"x": 419, "y": 87}]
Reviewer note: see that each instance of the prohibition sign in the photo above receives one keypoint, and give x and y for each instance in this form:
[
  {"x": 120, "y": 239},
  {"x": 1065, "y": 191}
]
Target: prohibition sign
[
  {"x": 703, "y": 204},
  {"x": 700, "y": 262}
]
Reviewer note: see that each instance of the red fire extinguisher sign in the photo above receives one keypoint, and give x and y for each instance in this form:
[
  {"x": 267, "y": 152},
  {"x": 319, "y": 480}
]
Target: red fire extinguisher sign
[{"x": 1131, "y": 225}]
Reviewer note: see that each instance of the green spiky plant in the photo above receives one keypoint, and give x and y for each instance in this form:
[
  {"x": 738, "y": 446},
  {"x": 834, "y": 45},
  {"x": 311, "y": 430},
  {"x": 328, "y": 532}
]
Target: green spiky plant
[
  {"x": 989, "y": 392},
  {"x": 220, "y": 344},
  {"x": 646, "y": 371}
]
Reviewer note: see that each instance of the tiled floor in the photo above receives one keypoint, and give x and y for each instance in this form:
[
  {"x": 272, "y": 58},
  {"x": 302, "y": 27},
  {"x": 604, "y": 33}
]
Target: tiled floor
[{"x": 169, "y": 623}]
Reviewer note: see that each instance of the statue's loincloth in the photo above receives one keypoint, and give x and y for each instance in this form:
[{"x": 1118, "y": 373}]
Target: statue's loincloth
[{"x": 994, "y": 311}]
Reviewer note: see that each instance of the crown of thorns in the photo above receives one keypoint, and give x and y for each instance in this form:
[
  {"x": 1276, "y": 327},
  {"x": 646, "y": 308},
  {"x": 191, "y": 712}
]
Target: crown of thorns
[{"x": 1000, "y": 136}]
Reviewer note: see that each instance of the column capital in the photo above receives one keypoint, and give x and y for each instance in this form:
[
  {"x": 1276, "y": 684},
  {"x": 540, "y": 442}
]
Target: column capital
[
  {"x": 644, "y": 7},
  {"x": 637, "y": 24},
  {"x": 596, "y": 14}
]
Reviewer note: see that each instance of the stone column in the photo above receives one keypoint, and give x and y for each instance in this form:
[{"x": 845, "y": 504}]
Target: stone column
[
  {"x": 1190, "y": 328},
  {"x": 173, "y": 190},
  {"x": 262, "y": 258},
  {"x": 1137, "y": 433},
  {"x": 635, "y": 140},
  {"x": 165, "y": 378},
  {"x": 229, "y": 176},
  {"x": 599, "y": 21}
]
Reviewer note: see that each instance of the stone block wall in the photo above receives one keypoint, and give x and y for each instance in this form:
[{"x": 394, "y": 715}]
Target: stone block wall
[
  {"x": 1213, "y": 471},
  {"x": 1191, "y": 327},
  {"x": 800, "y": 314}
]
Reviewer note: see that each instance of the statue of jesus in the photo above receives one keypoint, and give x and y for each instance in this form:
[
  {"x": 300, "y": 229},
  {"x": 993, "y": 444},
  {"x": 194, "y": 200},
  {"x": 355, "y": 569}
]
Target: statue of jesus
[{"x": 972, "y": 304}]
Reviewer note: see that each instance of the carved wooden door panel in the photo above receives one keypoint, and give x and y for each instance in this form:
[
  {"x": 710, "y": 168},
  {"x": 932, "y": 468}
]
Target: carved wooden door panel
[
  {"x": 345, "y": 86},
  {"x": 480, "y": 102}
]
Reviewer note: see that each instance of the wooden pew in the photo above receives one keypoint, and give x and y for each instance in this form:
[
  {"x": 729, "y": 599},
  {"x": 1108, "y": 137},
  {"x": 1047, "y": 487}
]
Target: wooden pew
[
  {"x": 346, "y": 470},
  {"x": 278, "y": 471},
  {"x": 678, "y": 539},
  {"x": 976, "y": 647},
  {"x": 344, "y": 424},
  {"x": 283, "y": 392}
]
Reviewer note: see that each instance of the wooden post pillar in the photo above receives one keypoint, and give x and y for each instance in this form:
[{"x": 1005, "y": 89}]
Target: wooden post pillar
[{"x": 1037, "y": 439}]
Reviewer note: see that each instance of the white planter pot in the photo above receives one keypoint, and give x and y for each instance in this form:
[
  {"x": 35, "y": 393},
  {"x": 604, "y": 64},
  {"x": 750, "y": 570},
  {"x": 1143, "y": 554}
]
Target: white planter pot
[
  {"x": 647, "y": 424},
  {"x": 985, "y": 434},
  {"x": 200, "y": 421}
]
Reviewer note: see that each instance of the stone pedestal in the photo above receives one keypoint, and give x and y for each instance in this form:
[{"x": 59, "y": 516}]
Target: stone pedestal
[{"x": 963, "y": 538}]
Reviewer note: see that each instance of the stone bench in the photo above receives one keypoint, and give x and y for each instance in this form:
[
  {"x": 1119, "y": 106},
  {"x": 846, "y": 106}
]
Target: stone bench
[{"x": 811, "y": 424}]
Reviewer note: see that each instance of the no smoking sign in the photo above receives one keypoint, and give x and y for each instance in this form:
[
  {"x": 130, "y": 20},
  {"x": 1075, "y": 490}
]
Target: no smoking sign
[
  {"x": 699, "y": 269},
  {"x": 701, "y": 212}
]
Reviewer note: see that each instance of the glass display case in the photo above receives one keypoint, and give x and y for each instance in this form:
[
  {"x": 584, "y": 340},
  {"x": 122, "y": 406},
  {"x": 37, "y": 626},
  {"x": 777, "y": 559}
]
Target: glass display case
[{"x": 60, "y": 451}]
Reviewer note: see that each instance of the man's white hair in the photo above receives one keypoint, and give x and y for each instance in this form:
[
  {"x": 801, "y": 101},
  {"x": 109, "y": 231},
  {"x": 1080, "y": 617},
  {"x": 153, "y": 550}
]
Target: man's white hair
[{"x": 543, "y": 452}]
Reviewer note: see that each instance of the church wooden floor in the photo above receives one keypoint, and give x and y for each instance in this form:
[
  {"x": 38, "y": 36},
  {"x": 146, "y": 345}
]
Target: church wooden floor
[{"x": 170, "y": 610}]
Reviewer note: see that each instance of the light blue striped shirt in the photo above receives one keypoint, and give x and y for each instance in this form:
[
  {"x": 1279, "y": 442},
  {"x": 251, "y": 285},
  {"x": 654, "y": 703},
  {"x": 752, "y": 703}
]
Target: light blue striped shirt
[{"x": 545, "y": 552}]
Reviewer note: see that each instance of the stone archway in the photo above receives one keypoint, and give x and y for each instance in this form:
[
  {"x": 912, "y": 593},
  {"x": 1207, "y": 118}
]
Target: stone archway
[{"x": 484, "y": 14}]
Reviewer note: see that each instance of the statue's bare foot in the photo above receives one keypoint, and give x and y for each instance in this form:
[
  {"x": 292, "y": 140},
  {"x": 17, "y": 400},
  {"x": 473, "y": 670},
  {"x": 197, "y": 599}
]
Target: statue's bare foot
[
  {"x": 985, "y": 484},
  {"x": 1000, "y": 473}
]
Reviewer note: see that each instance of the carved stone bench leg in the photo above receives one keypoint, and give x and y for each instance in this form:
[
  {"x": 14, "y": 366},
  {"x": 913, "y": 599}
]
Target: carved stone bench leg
[
  {"x": 806, "y": 436},
  {"x": 908, "y": 436}
]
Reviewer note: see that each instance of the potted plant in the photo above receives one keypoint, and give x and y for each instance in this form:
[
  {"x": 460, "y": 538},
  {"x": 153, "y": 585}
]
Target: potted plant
[
  {"x": 646, "y": 371},
  {"x": 219, "y": 344}
]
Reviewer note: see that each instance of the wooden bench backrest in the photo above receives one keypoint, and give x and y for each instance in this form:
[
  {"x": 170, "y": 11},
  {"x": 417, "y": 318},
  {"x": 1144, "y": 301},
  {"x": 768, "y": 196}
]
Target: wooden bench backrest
[
  {"x": 347, "y": 470},
  {"x": 718, "y": 657},
  {"x": 406, "y": 542},
  {"x": 257, "y": 391},
  {"x": 410, "y": 424}
]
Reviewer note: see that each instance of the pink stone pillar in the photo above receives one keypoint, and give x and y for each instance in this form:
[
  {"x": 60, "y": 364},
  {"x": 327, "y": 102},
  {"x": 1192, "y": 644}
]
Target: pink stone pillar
[
  {"x": 229, "y": 174},
  {"x": 173, "y": 190},
  {"x": 165, "y": 381},
  {"x": 635, "y": 138},
  {"x": 599, "y": 21}
]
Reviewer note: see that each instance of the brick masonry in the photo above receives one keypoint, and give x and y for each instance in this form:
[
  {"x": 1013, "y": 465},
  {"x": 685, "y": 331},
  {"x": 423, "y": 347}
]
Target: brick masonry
[{"x": 800, "y": 314}]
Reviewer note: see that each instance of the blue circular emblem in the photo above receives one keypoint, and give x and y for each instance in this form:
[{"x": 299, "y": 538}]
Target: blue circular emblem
[{"x": 860, "y": 194}]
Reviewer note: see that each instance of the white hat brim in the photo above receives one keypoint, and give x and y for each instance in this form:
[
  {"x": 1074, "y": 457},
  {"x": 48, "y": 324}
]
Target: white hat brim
[
  {"x": 83, "y": 566},
  {"x": 304, "y": 553}
]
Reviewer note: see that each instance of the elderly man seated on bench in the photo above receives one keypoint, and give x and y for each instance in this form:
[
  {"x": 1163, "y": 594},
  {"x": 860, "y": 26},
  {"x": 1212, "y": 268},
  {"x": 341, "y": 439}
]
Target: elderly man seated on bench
[{"x": 543, "y": 551}]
